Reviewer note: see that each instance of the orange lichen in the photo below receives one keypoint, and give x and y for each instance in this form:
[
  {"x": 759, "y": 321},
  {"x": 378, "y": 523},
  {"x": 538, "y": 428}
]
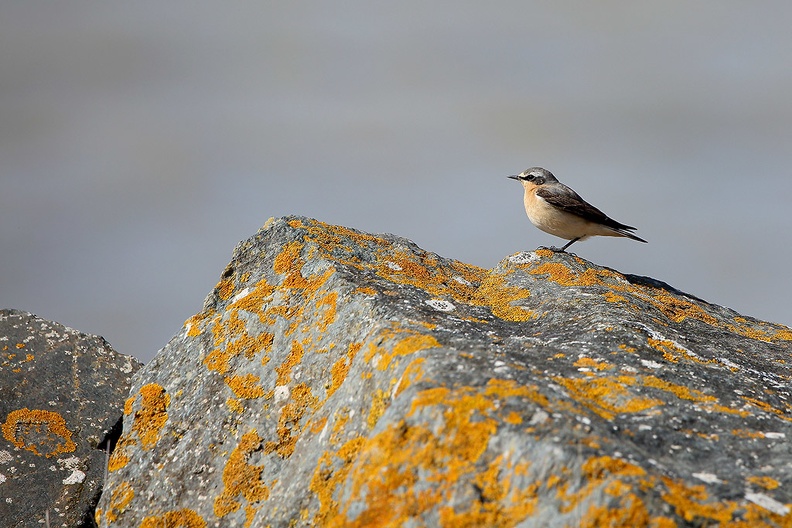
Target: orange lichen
[
  {"x": 613, "y": 298},
  {"x": 44, "y": 433},
  {"x": 234, "y": 405},
  {"x": 241, "y": 478},
  {"x": 225, "y": 288},
  {"x": 256, "y": 298},
  {"x": 120, "y": 456},
  {"x": 383, "y": 479},
  {"x": 183, "y": 518},
  {"x": 673, "y": 352},
  {"x": 245, "y": 386},
  {"x": 607, "y": 396},
  {"x": 500, "y": 297},
  {"x": 331, "y": 471},
  {"x": 329, "y": 301},
  {"x": 766, "y": 407},
  {"x": 587, "y": 362},
  {"x": 289, "y": 427},
  {"x": 151, "y": 417},
  {"x": 413, "y": 373},
  {"x": 378, "y": 405},
  {"x": 689, "y": 502},
  {"x": 292, "y": 360},
  {"x": 120, "y": 498},
  {"x": 341, "y": 368},
  {"x": 408, "y": 342},
  {"x": 768, "y": 483}
]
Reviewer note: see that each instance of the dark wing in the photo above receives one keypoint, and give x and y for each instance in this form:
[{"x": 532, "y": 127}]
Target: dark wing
[{"x": 568, "y": 200}]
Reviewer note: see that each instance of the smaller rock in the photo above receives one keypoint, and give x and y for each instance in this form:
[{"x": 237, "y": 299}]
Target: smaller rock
[{"x": 61, "y": 401}]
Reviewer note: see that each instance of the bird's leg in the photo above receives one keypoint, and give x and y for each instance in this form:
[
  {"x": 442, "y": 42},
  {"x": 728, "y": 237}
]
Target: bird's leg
[{"x": 563, "y": 249}]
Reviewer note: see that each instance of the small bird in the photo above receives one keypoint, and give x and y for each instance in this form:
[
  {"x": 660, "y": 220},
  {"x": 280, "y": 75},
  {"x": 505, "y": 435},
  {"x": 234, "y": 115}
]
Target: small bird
[{"x": 556, "y": 209}]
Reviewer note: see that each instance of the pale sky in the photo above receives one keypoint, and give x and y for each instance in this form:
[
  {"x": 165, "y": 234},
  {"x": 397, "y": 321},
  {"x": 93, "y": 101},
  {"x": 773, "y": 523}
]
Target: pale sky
[{"x": 141, "y": 141}]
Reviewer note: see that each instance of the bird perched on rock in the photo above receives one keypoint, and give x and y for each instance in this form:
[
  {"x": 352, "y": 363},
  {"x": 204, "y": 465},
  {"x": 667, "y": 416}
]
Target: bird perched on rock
[{"x": 556, "y": 209}]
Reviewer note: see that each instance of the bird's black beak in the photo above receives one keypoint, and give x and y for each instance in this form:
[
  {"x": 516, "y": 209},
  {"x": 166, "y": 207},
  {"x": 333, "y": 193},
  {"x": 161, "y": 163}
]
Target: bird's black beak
[{"x": 514, "y": 177}]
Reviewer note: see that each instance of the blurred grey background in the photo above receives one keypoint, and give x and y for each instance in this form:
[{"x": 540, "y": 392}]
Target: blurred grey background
[{"x": 140, "y": 141}]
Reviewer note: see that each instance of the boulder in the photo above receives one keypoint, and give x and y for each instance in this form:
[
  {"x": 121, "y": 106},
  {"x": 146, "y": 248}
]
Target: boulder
[
  {"x": 61, "y": 401},
  {"x": 339, "y": 378}
]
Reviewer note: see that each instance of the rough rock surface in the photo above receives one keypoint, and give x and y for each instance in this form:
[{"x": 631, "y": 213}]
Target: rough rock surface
[
  {"x": 337, "y": 378},
  {"x": 61, "y": 394}
]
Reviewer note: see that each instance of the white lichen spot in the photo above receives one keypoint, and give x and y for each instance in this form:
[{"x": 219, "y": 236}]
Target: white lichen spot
[
  {"x": 281, "y": 393},
  {"x": 241, "y": 295},
  {"x": 525, "y": 257},
  {"x": 775, "y": 436},
  {"x": 441, "y": 305},
  {"x": 651, "y": 364},
  {"x": 462, "y": 280},
  {"x": 709, "y": 478},
  {"x": 392, "y": 265},
  {"x": 539, "y": 417},
  {"x": 766, "y": 502},
  {"x": 5, "y": 457},
  {"x": 644, "y": 427},
  {"x": 76, "y": 477}
]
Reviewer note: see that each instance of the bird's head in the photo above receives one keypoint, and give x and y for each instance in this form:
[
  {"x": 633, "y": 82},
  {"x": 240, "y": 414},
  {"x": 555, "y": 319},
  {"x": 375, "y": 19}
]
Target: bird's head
[{"x": 534, "y": 176}]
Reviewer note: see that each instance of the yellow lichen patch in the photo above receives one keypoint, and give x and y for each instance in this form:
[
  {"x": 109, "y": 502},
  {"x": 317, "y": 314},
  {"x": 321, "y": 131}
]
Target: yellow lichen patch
[
  {"x": 234, "y": 405},
  {"x": 678, "y": 309},
  {"x": 378, "y": 405},
  {"x": 408, "y": 343},
  {"x": 289, "y": 427},
  {"x": 383, "y": 480},
  {"x": 44, "y": 433},
  {"x": 120, "y": 498},
  {"x": 241, "y": 478},
  {"x": 768, "y": 483},
  {"x": 690, "y": 503},
  {"x": 151, "y": 417},
  {"x": 256, "y": 298},
  {"x": 174, "y": 519},
  {"x": 331, "y": 471},
  {"x": 613, "y": 298},
  {"x": 611, "y": 474},
  {"x": 607, "y": 396},
  {"x": 120, "y": 456},
  {"x": 329, "y": 301},
  {"x": 293, "y": 359},
  {"x": 245, "y": 386},
  {"x": 340, "y": 369},
  {"x": 673, "y": 352},
  {"x": 225, "y": 288},
  {"x": 340, "y": 418},
  {"x": 495, "y": 293},
  {"x": 501, "y": 503},
  {"x": 412, "y": 374},
  {"x": 685, "y": 393},
  {"x": 591, "y": 363},
  {"x": 745, "y": 433},
  {"x": 766, "y": 407},
  {"x": 128, "y": 405}
]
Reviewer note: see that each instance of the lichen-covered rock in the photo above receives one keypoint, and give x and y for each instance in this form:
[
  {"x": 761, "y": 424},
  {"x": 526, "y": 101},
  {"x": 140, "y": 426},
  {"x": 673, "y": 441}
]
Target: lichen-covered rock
[
  {"x": 337, "y": 378},
  {"x": 61, "y": 394}
]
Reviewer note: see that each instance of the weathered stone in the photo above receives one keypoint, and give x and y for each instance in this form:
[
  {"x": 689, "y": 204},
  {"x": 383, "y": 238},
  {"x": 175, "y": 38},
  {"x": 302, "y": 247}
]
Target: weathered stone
[
  {"x": 337, "y": 378},
  {"x": 61, "y": 394}
]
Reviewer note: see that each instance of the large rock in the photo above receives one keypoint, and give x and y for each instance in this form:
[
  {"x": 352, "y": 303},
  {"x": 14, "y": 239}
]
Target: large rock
[
  {"x": 337, "y": 378},
  {"x": 61, "y": 394}
]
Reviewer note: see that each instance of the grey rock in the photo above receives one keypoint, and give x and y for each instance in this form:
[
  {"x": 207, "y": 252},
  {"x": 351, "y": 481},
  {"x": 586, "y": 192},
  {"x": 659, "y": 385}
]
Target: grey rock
[
  {"x": 61, "y": 394},
  {"x": 338, "y": 378}
]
